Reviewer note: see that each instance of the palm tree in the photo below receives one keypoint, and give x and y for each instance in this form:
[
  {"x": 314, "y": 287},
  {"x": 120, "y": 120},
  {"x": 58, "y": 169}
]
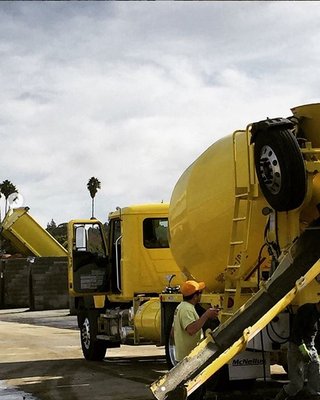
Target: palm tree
[
  {"x": 7, "y": 188},
  {"x": 93, "y": 185}
]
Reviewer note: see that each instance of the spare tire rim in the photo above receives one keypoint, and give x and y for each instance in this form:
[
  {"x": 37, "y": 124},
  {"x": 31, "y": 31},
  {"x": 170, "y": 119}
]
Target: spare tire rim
[
  {"x": 269, "y": 168},
  {"x": 85, "y": 333}
]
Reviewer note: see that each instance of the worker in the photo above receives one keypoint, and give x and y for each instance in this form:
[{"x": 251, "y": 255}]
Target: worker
[
  {"x": 187, "y": 325},
  {"x": 303, "y": 358}
]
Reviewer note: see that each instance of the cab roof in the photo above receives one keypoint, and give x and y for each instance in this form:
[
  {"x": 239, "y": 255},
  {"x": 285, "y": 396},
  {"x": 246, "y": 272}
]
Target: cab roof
[{"x": 141, "y": 209}]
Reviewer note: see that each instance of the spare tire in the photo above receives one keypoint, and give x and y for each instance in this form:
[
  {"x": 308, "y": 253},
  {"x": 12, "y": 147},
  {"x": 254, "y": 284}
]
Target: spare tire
[{"x": 280, "y": 169}]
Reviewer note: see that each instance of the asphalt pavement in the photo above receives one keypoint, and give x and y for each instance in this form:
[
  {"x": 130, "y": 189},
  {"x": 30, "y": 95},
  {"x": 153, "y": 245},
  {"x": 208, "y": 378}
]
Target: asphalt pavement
[
  {"x": 52, "y": 318},
  {"x": 7, "y": 393},
  {"x": 61, "y": 319}
]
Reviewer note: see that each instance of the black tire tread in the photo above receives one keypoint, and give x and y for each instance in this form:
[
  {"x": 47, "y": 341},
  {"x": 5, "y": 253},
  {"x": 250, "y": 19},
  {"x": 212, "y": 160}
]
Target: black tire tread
[
  {"x": 293, "y": 174},
  {"x": 97, "y": 348}
]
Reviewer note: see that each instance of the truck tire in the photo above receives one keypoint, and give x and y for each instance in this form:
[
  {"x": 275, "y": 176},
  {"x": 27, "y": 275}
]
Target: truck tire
[
  {"x": 167, "y": 311},
  {"x": 170, "y": 351},
  {"x": 280, "y": 169},
  {"x": 92, "y": 348}
]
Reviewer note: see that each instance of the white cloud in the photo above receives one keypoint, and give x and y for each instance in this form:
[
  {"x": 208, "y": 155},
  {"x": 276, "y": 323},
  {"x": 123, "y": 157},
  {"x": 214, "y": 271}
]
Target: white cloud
[{"x": 133, "y": 92}]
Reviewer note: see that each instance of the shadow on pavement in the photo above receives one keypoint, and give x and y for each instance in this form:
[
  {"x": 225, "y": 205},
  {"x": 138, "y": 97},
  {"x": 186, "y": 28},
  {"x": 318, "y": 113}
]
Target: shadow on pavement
[{"x": 79, "y": 379}]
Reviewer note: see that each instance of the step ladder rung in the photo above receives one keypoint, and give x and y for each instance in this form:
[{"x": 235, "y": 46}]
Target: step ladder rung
[
  {"x": 241, "y": 223},
  {"x": 239, "y": 219},
  {"x": 236, "y": 242},
  {"x": 226, "y": 313},
  {"x": 241, "y": 195}
]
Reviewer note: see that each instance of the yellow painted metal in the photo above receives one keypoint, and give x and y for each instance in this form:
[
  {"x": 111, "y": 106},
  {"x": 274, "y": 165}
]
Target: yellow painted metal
[
  {"x": 214, "y": 299},
  {"x": 202, "y": 204},
  {"x": 28, "y": 237},
  {"x": 223, "y": 359},
  {"x": 316, "y": 189},
  {"x": 288, "y": 227},
  {"x": 245, "y": 193},
  {"x": 147, "y": 320},
  {"x": 141, "y": 209},
  {"x": 99, "y": 301},
  {"x": 201, "y": 213},
  {"x": 309, "y": 120},
  {"x": 143, "y": 270}
]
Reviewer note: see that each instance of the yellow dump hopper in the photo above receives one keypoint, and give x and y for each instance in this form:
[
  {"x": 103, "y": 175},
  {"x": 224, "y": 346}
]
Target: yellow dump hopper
[{"x": 28, "y": 237}]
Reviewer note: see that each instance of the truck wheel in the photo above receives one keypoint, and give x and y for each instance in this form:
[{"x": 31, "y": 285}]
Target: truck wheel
[
  {"x": 92, "y": 348},
  {"x": 280, "y": 169},
  {"x": 170, "y": 351}
]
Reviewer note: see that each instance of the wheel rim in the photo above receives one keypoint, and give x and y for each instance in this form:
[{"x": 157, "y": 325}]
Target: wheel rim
[
  {"x": 270, "y": 171},
  {"x": 85, "y": 333},
  {"x": 172, "y": 352}
]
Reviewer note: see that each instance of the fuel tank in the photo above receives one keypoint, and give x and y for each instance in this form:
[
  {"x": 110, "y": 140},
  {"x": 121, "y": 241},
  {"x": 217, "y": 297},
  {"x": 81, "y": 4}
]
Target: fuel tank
[
  {"x": 201, "y": 213},
  {"x": 147, "y": 320}
]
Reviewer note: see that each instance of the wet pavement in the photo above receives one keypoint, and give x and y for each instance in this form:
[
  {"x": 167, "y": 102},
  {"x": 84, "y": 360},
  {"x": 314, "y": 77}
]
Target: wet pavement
[
  {"x": 13, "y": 394},
  {"x": 44, "y": 362}
]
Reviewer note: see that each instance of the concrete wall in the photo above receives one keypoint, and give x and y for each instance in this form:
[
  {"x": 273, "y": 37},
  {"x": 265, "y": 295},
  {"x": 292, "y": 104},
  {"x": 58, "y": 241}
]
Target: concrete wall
[{"x": 35, "y": 283}]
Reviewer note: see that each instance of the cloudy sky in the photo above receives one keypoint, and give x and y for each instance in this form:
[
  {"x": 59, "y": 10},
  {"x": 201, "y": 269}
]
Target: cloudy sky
[{"x": 133, "y": 92}]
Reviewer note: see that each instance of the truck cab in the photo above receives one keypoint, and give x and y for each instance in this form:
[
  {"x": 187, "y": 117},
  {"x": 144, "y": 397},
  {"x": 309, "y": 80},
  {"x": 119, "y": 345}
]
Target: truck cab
[{"x": 116, "y": 273}]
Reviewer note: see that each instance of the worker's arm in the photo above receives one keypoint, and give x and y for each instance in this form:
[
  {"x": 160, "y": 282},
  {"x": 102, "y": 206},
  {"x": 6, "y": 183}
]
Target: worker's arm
[{"x": 194, "y": 327}]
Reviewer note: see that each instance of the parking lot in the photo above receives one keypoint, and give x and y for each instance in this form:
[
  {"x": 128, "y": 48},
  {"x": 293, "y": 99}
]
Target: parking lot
[{"x": 41, "y": 359}]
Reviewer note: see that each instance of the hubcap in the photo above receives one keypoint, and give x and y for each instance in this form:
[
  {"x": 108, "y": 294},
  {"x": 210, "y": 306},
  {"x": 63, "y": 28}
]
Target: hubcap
[
  {"x": 85, "y": 333},
  {"x": 270, "y": 171}
]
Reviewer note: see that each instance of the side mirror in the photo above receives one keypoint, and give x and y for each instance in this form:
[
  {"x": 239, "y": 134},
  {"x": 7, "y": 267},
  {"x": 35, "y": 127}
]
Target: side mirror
[{"x": 80, "y": 238}]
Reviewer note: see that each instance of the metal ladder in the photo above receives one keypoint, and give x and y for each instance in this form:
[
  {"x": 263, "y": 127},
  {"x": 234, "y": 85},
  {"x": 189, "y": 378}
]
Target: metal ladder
[{"x": 241, "y": 222}]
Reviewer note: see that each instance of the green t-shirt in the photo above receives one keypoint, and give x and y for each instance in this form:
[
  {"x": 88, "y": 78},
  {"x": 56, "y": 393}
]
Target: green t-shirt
[{"x": 184, "y": 315}]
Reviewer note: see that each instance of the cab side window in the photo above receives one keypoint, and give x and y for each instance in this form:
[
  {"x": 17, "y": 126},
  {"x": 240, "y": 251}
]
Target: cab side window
[{"x": 155, "y": 233}]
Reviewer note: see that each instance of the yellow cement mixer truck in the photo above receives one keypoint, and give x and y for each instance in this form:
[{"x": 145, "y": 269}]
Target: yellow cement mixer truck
[{"x": 244, "y": 219}]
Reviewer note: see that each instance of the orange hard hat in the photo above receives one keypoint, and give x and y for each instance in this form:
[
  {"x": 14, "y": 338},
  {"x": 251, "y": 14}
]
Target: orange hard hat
[{"x": 190, "y": 287}]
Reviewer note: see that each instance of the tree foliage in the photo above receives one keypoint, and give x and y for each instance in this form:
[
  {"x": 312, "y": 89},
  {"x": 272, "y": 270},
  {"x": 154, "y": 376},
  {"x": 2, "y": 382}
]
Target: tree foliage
[
  {"x": 51, "y": 226},
  {"x": 7, "y": 188},
  {"x": 59, "y": 232},
  {"x": 93, "y": 185}
]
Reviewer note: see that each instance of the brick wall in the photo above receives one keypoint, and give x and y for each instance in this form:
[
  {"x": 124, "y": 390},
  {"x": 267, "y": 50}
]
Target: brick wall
[{"x": 36, "y": 283}]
